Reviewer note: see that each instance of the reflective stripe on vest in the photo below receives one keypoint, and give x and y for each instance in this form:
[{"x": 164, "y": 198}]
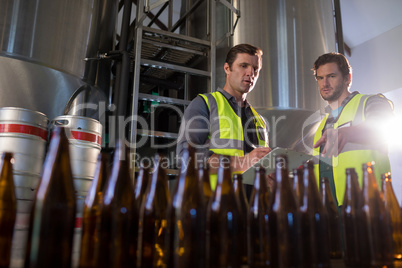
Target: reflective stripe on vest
[{"x": 353, "y": 155}]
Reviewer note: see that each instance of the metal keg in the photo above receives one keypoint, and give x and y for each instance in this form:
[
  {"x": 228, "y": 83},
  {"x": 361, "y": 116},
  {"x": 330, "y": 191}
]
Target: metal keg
[
  {"x": 84, "y": 135},
  {"x": 24, "y": 133}
]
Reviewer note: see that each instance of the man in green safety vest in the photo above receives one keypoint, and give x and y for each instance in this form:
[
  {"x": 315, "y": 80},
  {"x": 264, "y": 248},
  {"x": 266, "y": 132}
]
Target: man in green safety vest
[
  {"x": 349, "y": 134},
  {"x": 223, "y": 122}
]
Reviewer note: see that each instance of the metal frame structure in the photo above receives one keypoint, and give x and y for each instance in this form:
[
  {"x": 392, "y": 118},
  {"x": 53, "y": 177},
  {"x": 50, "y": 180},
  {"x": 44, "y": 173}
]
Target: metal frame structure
[{"x": 142, "y": 37}]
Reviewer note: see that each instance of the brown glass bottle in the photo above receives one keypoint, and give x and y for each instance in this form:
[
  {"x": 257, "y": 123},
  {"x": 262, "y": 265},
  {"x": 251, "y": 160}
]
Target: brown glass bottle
[
  {"x": 314, "y": 222},
  {"x": 152, "y": 221},
  {"x": 298, "y": 184},
  {"x": 392, "y": 205},
  {"x": 257, "y": 222},
  {"x": 284, "y": 220},
  {"x": 378, "y": 229},
  {"x": 92, "y": 211},
  {"x": 241, "y": 195},
  {"x": 8, "y": 208},
  {"x": 118, "y": 225},
  {"x": 203, "y": 177},
  {"x": 53, "y": 215},
  {"x": 187, "y": 216},
  {"x": 223, "y": 215},
  {"x": 353, "y": 243},
  {"x": 141, "y": 183},
  {"x": 335, "y": 247}
]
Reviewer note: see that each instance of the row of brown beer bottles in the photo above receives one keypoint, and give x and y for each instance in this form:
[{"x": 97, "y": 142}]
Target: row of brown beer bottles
[
  {"x": 282, "y": 231},
  {"x": 366, "y": 222},
  {"x": 142, "y": 226},
  {"x": 129, "y": 222},
  {"x": 315, "y": 238},
  {"x": 8, "y": 208},
  {"x": 110, "y": 215}
]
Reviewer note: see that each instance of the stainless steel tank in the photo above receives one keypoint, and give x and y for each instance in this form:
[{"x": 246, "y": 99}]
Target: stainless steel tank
[
  {"x": 43, "y": 45},
  {"x": 292, "y": 34}
]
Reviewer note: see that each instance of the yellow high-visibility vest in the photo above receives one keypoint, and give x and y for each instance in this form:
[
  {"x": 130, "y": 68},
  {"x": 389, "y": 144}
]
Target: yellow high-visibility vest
[
  {"x": 353, "y": 155},
  {"x": 226, "y": 135}
]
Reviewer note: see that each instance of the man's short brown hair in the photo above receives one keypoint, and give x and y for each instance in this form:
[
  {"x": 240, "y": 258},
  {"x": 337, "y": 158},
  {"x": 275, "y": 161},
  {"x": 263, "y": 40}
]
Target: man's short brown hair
[
  {"x": 242, "y": 48},
  {"x": 338, "y": 58}
]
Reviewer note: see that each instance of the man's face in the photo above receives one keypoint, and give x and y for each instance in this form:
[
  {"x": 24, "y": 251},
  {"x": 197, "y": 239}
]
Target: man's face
[
  {"x": 243, "y": 74},
  {"x": 331, "y": 82}
]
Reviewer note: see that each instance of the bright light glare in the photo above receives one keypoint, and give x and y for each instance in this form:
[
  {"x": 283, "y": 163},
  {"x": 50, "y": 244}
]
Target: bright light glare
[{"x": 391, "y": 130}]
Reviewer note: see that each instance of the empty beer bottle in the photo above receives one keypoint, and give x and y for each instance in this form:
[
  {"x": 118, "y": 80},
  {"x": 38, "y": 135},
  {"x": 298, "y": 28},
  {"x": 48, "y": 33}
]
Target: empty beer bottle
[
  {"x": 8, "y": 208},
  {"x": 152, "y": 221},
  {"x": 257, "y": 222},
  {"x": 335, "y": 247},
  {"x": 314, "y": 222},
  {"x": 141, "y": 183},
  {"x": 284, "y": 220},
  {"x": 353, "y": 243},
  {"x": 241, "y": 196},
  {"x": 118, "y": 225},
  {"x": 378, "y": 229},
  {"x": 298, "y": 184},
  {"x": 52, "y": 227},
  {"x": 223, "y": 215},
  {"x": 203, "y": 177},
  {"x": 392, "y": 205},
  {"x": 92, "y": 211},
  {"x": 187, "y": 216}
]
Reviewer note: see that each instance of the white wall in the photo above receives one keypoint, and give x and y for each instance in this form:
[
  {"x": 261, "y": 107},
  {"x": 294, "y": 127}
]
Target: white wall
[{"x": 377, "y": 68}]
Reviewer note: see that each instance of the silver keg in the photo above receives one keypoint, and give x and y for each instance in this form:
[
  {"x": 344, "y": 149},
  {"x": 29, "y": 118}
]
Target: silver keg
[
  {"x": 84, "y": 135},
  {"x": 24, "y": 133}
]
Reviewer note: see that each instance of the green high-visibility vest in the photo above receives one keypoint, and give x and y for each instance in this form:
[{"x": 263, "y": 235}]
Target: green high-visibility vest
[{"x": 353, "y": 155}]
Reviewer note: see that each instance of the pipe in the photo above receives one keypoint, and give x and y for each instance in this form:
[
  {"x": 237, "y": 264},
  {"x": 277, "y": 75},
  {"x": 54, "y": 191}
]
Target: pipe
[
  {"x": 338, "y": 27},
  {"x": 122, "y": 70}
]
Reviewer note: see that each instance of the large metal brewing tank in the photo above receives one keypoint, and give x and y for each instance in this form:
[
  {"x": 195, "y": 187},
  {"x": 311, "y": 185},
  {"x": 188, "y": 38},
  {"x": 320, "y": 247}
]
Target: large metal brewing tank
[
  {"x": 292, "y": 34},
  {"x": 43, "y": 44}
]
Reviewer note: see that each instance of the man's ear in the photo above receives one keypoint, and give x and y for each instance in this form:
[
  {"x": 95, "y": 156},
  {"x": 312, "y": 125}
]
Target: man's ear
[
  {"x": 348, "y": 79},
  {"x": 226, "y": 67}
]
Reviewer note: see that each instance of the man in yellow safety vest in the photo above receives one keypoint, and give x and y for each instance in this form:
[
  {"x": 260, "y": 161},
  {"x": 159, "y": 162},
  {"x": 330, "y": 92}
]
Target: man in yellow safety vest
[
  {"x": 348, "y": 135},
  {"x": 223, "y": 122}
]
